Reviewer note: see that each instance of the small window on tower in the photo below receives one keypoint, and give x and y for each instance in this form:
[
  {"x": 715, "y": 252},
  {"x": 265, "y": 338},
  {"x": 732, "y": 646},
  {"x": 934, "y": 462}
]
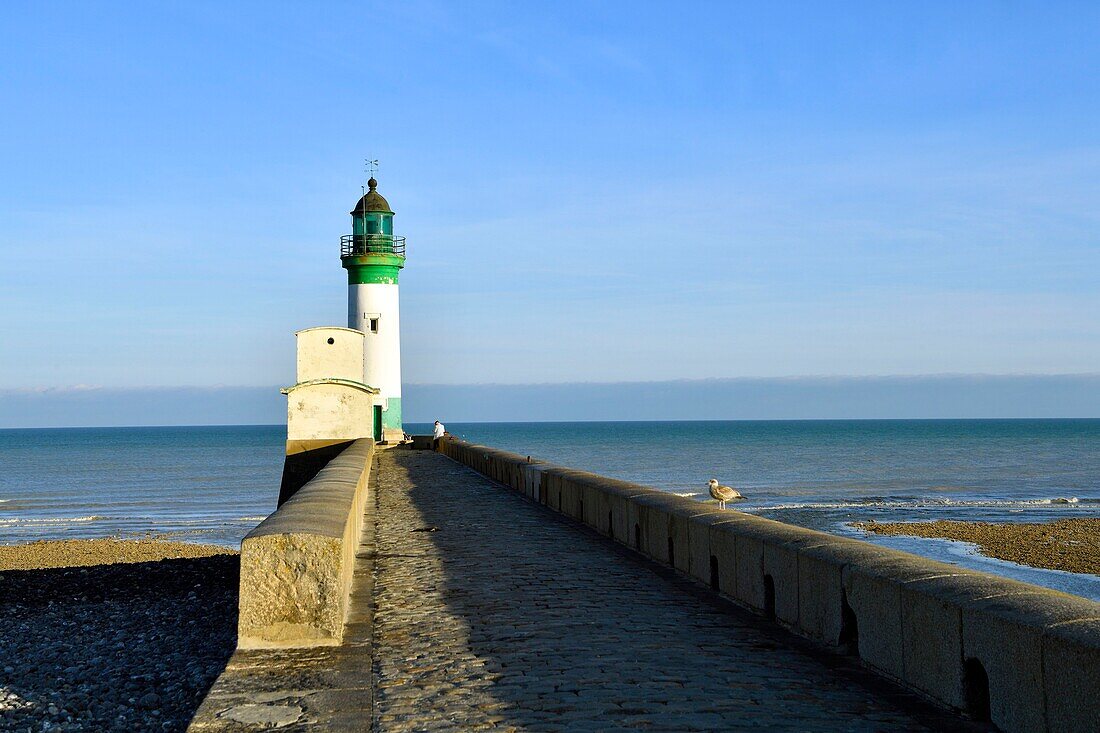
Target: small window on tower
[{"x": 374, "y": 325}]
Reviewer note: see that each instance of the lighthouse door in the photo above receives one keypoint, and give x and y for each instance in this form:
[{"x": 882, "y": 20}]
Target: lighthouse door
[{"x": 378, "y": 423}]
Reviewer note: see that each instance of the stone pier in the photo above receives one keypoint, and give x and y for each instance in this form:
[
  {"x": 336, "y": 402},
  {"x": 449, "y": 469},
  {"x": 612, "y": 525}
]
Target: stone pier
[{"x": 475, "y": 608}]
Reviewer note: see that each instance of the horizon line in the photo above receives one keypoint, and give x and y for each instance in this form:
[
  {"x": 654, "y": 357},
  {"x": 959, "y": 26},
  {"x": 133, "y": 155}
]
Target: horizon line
[
  {"x": 672, "y": 380},
  {"x": 570, "y": 422}
]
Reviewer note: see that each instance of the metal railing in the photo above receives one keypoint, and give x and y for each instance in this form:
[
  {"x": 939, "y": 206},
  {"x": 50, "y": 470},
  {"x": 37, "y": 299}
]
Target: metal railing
[{"x": 371, "y": 244}]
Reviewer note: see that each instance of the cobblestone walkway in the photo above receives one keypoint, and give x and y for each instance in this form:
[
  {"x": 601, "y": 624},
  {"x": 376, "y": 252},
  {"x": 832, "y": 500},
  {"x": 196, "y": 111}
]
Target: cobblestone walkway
[{"x": 492, "y": 612}]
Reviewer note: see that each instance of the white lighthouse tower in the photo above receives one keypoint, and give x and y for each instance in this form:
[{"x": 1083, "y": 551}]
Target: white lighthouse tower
[{"x": 373, "y": 258}]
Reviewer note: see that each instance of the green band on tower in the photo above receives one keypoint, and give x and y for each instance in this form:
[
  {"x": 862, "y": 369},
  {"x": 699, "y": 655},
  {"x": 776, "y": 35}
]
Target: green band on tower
[{"x": 373, "y": 270}]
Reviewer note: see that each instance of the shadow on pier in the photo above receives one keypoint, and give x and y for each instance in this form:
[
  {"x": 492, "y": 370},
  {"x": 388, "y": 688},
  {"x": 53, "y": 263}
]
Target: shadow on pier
[{"x": 493, "y": 611}]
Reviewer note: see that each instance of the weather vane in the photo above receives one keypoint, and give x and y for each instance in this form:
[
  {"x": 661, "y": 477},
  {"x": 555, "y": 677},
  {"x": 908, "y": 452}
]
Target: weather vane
[{"x": 372, "y": 166}]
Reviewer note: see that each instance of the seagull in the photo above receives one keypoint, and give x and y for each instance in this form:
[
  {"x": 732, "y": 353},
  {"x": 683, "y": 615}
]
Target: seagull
[{"x": 723, "y": 493}]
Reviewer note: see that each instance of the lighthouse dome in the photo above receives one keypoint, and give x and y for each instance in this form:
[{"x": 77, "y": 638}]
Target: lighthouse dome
[{"x": 372, "y": 201}]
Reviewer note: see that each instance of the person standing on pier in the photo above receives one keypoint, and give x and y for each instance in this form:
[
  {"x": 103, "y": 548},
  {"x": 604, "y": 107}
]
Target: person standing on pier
[{"x": 438, "y": 432}]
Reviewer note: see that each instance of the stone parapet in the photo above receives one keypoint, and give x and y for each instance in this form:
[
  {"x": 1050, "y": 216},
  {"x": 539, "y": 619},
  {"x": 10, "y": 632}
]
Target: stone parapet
[
  {"x": 296, "y": 565},
  {"x": 1023, "y": 657}
]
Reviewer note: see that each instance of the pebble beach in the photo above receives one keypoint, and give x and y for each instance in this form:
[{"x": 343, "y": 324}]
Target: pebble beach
[{"x": 111, "y": 634}]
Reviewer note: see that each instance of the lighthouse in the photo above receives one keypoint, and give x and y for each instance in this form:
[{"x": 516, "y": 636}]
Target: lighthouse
[{"x": 373, "y": 257}]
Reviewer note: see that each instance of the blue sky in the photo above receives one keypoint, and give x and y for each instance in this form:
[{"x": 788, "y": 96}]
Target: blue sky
[{"x": 591, "y": 192}]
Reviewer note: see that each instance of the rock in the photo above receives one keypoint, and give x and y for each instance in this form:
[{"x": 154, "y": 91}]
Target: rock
[{"x": 114, "y": 633}]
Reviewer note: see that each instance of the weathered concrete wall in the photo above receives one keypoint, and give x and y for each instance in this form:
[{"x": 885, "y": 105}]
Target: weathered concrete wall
[
  {"x": 330, "y": 352},
  {"x": 1025, "y": 657},
  {"x": 296, "y": 566},
  {"x": 329, "y": 410},
  {"x": 329, "y": 402}
]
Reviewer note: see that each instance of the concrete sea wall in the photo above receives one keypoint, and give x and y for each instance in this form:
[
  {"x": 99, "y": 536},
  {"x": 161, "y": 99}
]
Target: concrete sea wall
[
  {"x": 1025, "y": 658},
  {"x": 304, "y": 459},
  {"x": 296, "y": 565}
]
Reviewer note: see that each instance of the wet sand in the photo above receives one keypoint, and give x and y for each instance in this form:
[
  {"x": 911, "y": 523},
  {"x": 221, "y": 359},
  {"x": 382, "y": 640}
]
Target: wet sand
[
  {"x": 112, "y": 635},
  {"x": 1072, "y": 545},
  {"x": 108, "y": 551}
]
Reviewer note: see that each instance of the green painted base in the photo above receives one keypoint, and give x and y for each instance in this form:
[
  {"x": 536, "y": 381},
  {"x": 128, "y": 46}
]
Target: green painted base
[{"x": 391, "y": 417}]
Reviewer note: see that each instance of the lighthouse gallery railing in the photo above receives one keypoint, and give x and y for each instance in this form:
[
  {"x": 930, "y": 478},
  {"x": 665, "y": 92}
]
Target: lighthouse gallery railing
[{"x": 370, "y": 244}]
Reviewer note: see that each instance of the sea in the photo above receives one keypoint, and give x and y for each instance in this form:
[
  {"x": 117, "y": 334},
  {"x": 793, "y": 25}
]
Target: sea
[{"x": 214, "y": 484}]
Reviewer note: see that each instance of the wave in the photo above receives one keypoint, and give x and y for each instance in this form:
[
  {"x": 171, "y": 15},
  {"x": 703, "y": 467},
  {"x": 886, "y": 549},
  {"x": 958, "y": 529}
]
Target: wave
[
  {"x": 141, "y": 520},
  {"x": 52, "y": 520},
  {"x": 914, "y": 503}
]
